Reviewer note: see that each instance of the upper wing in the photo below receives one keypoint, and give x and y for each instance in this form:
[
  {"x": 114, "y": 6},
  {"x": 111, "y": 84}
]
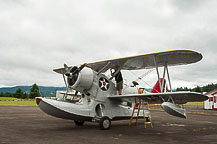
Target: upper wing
[
  {"x": 172, "y": 57},
  {"x": 157, "y": 98}
]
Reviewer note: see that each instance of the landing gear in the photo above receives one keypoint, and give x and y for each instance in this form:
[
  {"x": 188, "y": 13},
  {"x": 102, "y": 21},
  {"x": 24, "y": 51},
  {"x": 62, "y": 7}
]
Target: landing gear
[
  {"x": 147, "y": 119},
  {"x": 104, "y": 123},
  {"x": 79, "y": 123}
]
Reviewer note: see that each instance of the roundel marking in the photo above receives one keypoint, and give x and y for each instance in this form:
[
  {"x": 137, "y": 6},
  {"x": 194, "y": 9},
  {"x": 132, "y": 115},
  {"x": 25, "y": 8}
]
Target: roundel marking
[{"x": 104, "y": 84}]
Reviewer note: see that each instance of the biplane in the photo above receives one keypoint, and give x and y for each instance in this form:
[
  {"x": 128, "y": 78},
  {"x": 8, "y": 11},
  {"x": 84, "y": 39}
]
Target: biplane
[{"x": 99, "y": 101}]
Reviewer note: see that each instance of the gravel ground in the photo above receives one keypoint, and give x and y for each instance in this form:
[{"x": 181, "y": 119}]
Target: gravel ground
[{"x": 28, "y": 124}]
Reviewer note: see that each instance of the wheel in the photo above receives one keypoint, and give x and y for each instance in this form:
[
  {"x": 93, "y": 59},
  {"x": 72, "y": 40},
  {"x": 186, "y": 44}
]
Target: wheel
[
  {"x": 79, "y": 123},
  {"x": 104, "y": 123},
  {"x": 147, "y": 119}
]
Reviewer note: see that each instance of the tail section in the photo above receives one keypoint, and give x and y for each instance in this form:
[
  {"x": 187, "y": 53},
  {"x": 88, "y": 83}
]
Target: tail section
[{"x": 157, "y": 89}]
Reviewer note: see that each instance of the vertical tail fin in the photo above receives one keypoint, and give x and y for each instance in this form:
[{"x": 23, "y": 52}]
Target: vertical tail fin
[{"x": 157, "y": 89}]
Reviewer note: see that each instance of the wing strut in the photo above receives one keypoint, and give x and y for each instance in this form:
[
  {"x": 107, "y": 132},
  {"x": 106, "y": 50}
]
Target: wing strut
[
  {"x": 164, "y": 72},
  {"x": 155, "y": 62},
  {"x": 101, "y": 70},
  {"x": 168, "y": 76},
  {"x": 163, "y": 81}
]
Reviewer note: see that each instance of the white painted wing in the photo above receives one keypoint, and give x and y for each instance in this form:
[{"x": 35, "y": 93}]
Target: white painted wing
[
  {"x": 157, "y": 98},
  {"x": 146, "y": 61}
]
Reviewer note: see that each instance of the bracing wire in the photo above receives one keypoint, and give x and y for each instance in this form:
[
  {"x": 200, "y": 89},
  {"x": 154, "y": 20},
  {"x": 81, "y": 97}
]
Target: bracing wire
[{"x": 142, "y": 76}]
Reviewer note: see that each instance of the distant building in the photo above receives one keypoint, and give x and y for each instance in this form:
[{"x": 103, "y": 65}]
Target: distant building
[{"x": 211, "y": 103}]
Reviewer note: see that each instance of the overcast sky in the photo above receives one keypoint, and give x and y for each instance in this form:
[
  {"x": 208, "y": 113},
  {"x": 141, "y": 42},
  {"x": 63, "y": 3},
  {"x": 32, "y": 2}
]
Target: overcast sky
[{"x": 39, "y": 35}]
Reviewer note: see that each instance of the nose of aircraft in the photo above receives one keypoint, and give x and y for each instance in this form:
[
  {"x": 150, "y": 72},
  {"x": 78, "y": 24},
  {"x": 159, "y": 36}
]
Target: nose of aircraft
[{"x": 38, "y": 99}]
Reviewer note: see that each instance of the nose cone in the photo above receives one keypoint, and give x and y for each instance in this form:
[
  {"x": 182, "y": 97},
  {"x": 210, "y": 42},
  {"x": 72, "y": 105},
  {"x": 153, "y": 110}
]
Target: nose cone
[{"x": 38, "y": 99}]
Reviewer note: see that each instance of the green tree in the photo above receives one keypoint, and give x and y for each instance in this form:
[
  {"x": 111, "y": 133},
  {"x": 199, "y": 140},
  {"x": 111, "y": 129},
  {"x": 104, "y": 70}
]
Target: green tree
[
  {"x": 25, "y": 96},
  {"x": 209, "y": 87},
  {"x": 183, "y": 89},
  {"x": 18, "y": 93},
  {"x": 197, "y": 89},
  {"x": 34, "y": 91},
  {"x": 7, "y": 94}
]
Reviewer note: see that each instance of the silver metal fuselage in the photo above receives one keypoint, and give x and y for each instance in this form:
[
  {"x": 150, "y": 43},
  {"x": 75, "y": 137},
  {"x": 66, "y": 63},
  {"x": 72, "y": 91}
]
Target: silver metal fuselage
[{"x": 97, "y": 104}]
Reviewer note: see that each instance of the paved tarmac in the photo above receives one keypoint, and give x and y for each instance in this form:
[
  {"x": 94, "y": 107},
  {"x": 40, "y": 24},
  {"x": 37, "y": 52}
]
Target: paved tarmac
[{"x": 29, "y": 125}]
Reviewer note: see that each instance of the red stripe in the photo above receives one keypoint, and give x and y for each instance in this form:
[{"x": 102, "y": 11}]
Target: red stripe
[
  {"x": 210, "y": 91},
  {"x": 214, "y": 93}
]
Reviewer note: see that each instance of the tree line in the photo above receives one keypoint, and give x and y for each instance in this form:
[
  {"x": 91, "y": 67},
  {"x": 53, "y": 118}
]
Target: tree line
[
  {"x": 199, "y": 89},
  {"x": 34, "y": 92}
]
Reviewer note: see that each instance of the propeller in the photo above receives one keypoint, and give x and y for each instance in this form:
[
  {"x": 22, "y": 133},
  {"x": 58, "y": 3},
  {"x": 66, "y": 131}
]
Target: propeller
[
  {"x": 67, "y": 73},
  {"x": 77, "y": 70},
  {"x": 67, "y": 69},
  {"x": 70, "y": 72}
]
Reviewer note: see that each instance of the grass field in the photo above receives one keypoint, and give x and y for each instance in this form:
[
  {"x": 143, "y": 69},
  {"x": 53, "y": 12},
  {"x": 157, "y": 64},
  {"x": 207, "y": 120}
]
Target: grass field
[
  {"x": 3, "y": 101},
  {"x": 195, "y": 103},
  {"x": 21, "y": 103},
  {"x": 8, "y": 98}
]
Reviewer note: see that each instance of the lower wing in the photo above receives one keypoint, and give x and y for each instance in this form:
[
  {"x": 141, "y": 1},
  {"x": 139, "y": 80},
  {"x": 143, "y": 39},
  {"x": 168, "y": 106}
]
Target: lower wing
[{"x": 158, "y": 98}]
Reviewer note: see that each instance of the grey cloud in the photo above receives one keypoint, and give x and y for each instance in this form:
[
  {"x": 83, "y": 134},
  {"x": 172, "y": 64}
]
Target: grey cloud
[
  {"x": 187, "y": 5},
  {"x": 37, "y": 36}
]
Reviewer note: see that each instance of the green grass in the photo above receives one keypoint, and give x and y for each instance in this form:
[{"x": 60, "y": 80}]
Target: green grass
[
  {"x": 195, "y": 103},
  {"x": 8, "y": 98},
  {"x": 18, "y": 103}
]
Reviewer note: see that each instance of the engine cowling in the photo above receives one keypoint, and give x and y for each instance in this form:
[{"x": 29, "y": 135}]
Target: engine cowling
[{"x": 82, "y": 80}]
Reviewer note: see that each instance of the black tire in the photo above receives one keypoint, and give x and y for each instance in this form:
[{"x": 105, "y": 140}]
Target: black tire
[
  {"x": 105, "y": 123},
  {"x": 147, "y": 119},
  {"x": 79, "y": 123}
]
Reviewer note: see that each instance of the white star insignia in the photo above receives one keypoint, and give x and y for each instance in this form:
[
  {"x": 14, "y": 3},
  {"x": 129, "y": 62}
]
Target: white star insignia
[{"x": 104, "y": 85}]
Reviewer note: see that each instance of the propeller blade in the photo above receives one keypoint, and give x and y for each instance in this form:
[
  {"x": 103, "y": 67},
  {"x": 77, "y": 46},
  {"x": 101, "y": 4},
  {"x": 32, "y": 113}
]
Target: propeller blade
[
  {"x": 79, "y": 69},
  {"x": 65, "y": 80},
  {"x": 67, "y": 70},
  {"x": 66, "y": 67},
  {"x": 65, "y": 95}
]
